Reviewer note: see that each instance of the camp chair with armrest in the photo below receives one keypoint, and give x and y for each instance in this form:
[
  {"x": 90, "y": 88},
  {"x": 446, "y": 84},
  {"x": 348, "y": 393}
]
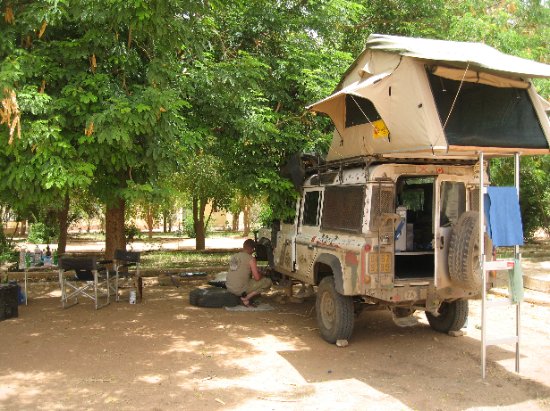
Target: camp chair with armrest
[
  {"x": 91, "y": 280},
  {"x": 123, "y": 261}
]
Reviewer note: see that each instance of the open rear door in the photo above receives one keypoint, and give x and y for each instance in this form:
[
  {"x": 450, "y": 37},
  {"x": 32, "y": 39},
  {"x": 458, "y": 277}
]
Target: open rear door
[{"x": 450, "y": 203}]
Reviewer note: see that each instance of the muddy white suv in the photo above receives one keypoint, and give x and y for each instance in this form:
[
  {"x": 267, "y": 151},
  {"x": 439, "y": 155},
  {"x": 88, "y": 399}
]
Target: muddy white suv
[{"x": 385, "y": 234}]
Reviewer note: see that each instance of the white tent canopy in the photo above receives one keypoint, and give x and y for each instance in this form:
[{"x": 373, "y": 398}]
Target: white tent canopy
[
  {"x": 460, "y": 54},
  {"x": 406, "y": 95}
]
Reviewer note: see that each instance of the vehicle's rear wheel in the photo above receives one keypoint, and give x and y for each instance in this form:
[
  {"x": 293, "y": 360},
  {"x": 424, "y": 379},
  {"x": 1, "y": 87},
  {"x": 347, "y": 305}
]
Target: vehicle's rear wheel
[
  {"x": 452, "y": 316},
  {"x": 334, "y": 312}
]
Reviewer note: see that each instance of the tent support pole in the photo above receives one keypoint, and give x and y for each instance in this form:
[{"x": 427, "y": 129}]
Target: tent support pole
[
  {"x": 517, "y": 257},
  {"x": 482, "y": 264}
]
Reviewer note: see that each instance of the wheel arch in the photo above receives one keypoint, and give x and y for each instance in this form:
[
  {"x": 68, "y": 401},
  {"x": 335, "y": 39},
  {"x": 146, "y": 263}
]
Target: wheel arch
[{"x": 326, "y": 265}]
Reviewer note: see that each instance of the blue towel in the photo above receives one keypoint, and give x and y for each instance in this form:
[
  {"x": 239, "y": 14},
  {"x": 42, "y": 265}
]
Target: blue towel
[{"x": 504, "y": 220}]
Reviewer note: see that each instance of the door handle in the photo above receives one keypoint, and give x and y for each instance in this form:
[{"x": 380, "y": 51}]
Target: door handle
[{"x": 441, "y": 242}]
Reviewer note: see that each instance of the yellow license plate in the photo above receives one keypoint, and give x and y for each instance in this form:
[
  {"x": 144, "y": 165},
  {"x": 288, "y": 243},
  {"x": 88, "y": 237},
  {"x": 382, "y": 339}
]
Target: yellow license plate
[{"x": 385, "y": 262}]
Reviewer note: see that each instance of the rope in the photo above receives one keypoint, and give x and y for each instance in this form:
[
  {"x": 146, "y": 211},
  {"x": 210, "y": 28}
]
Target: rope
[
  {"x": 456, "y": 96},
  {"x": 355, "y": 101}
]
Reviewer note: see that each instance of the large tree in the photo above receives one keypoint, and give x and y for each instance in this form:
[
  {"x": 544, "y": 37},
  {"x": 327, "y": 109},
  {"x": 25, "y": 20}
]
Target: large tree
[{"x": 99, "y": 86}]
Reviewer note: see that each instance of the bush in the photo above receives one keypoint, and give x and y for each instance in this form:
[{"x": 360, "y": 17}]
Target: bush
[
  {"x": 7, "y": 255},
  {"x": 265, "y": 216},
  {"x": 132, "y": 232},
  {"x": 189, "y": 227},
  {"x": 40, "y": 233}
]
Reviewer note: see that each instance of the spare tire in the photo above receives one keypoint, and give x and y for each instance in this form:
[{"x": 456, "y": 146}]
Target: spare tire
[
  {"x": 464, "y": 251},
  {"x": 213, "y": 297}
]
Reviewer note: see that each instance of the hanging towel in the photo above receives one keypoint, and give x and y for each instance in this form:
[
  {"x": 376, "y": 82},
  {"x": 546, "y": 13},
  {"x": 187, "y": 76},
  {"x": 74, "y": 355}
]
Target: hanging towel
[
  {"x": 515, "y": 286},
  {"x": 504, "y": 220}
]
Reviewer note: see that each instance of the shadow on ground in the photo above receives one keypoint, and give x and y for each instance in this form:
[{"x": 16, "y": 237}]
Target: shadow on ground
[{"x": 166, "y": 354}]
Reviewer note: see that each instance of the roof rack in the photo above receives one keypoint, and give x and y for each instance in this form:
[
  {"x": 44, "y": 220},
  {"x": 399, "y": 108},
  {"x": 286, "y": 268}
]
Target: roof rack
[{"x": 365, "y": 161}]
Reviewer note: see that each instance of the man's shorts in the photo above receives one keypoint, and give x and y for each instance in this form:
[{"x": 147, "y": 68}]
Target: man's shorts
[{"x": 263, "y": 285}]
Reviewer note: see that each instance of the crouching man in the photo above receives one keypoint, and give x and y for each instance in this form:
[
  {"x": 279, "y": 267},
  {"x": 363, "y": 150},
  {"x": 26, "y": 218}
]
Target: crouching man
[{"x": 243, "y": 278}]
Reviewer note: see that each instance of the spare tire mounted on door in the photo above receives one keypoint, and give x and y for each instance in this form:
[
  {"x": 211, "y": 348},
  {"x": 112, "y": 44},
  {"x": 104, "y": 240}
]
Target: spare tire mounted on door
[{"x": 465, "y": 253}]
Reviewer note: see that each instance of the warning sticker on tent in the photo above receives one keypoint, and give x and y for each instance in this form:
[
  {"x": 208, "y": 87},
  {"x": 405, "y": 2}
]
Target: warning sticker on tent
[{"x": 379, "y": 129}]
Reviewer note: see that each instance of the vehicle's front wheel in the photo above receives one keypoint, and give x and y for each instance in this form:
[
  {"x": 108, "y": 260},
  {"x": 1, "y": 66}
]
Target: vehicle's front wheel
[
  {"x": 334, "y": 312},
  {"x": 452, "y": 316}
]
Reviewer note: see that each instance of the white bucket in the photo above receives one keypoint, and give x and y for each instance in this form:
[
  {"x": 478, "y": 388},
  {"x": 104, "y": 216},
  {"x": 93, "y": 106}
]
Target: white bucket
[{"x": 132, "y": 296}]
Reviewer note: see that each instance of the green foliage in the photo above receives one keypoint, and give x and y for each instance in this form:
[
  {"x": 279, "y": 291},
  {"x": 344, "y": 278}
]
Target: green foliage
[
  {"x": 189, "y": 227},
  {"x": 534, "y": 189},
  {"x": 41, "y": 233},
  {"x": 137, "y": 99},
  {"x": 132, "y": 232}
]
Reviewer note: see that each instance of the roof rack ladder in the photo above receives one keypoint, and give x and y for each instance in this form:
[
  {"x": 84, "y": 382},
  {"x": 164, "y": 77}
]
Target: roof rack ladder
[{"x": 487, "y": 266}]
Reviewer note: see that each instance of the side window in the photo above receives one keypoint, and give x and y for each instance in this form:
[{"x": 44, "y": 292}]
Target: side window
[
  {"x": 311, "y": 208},
  {"x": 453, "y": 202},
  {"x": 343, "y": 208}
]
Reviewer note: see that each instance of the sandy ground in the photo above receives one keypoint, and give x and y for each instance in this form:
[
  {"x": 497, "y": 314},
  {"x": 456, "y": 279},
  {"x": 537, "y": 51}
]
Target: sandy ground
[{"x": 164, "y": 354}]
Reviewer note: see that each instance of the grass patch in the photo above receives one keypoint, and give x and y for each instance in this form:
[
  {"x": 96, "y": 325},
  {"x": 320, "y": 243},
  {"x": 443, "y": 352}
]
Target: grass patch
[
  {"x": 536, "y": 250},
  {"x": 184, "y": 259}
]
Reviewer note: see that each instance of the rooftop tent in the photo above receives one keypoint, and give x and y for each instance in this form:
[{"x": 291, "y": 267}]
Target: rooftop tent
[{"x": 433, "y": 97}]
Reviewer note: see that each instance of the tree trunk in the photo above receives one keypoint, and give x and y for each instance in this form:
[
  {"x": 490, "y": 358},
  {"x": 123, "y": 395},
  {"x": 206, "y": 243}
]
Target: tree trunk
[
  {"x": 23, "y": 228},
  {"x": 150, "y": 221},
  {"x": 235, "y": 221},
  {"x": 246, "y": 220},
  {"x": 164, "y": 222},
  {"x": 63, "y": 225},
  {"x": 115, "y": 238},
  {"x": 199, "y": 206}
]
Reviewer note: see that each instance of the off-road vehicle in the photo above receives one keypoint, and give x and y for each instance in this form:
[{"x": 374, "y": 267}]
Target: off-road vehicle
[{"x": 376, "y": 234}]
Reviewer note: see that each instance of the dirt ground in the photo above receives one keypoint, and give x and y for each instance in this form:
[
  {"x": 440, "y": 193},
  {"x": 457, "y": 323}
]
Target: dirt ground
[{"x": 164, "y": 354}]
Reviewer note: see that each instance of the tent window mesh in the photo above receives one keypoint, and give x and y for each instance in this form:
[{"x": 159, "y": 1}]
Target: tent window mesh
[
  {"x": 486, "y": 116},
  {"x": 343, "y": 208},
  {"x": 359, "y": 111}
]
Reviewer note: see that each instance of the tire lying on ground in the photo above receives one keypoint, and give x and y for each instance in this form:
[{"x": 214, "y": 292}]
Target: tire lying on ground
[
  {"x": 219, "y": 280},
  {"x": 212, "y": 297},
  {"x": 465, "y": 253},
  {"x": 452, "y": 316}
]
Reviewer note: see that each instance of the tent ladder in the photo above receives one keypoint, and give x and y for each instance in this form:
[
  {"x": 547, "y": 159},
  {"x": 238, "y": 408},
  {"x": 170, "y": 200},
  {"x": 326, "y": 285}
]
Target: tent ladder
[{"x": 487, "y": 266}]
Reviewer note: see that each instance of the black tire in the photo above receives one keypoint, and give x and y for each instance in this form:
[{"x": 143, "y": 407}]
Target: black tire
[
  {"x": 219, "y": 284},
  {"x": 452, "y": 316},
  {"x": 335, "y": 313},
  {"x": 464, "y": 251},
  {"x": 213, "y": 297}
]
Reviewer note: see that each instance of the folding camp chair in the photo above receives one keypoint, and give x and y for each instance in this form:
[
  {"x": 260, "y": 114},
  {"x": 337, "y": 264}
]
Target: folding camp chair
[
  {"x": 124, "y": 260},
  {"x": 91, "y": 280}
]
